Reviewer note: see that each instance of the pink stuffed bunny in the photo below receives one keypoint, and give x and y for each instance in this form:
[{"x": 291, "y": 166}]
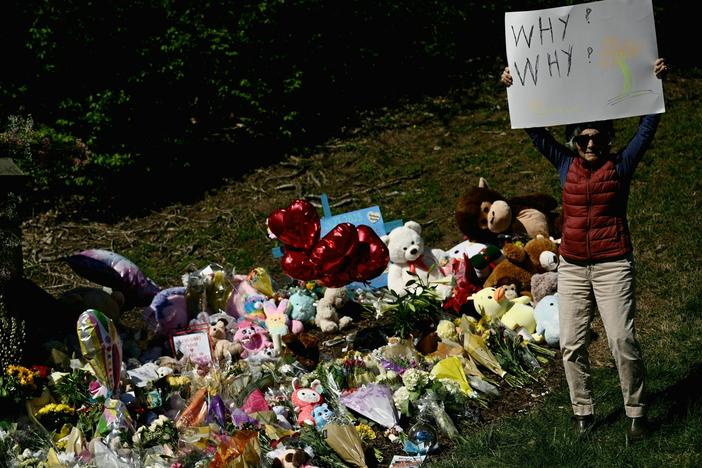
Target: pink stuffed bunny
[{"x": 305, "y": 400}]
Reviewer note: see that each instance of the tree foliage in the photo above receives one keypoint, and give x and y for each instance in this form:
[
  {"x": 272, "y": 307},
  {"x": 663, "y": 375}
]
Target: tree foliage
[{"x": 185, "y": 92}]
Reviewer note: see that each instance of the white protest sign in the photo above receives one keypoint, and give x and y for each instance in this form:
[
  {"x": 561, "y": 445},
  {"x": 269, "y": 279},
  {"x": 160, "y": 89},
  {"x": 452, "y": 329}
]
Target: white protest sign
[{"x": 592, "y": 61}]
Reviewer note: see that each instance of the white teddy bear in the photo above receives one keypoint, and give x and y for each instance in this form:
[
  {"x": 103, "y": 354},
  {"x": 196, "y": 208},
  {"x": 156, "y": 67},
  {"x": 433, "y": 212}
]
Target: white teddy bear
[
  {"x": 327, "y": 319},
  {"x": 409, "y": 257}
]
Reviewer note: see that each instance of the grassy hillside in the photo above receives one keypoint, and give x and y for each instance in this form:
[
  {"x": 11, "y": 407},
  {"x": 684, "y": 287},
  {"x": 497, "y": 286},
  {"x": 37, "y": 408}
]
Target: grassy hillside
[{"x": 414, "y": 161}]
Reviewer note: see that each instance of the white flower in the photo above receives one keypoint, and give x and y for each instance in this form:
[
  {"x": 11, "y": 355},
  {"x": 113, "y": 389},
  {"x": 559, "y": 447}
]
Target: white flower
[
  {"x": 451, "y": 386},
  {"x": 447, "y": 330},
  {"x": 3, "y": 435},
  {"x": 414, "y": 379},
  {"x": 286, "y": 369},
  {"x": 400, "y": 396},
  {"x": 66, "y": 458},
  {"x": 136, "y": 438}
]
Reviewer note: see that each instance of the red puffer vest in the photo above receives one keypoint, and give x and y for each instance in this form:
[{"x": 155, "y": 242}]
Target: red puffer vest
[{"x": 594, "y": 214}]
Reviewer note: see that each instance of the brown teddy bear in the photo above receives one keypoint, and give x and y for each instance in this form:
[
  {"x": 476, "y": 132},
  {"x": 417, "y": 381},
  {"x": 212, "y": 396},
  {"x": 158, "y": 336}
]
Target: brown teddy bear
[
  {"x": 543, "y": 253},
  {"x": 516, "y": 269},
  {"x": 482, "y": 214}
]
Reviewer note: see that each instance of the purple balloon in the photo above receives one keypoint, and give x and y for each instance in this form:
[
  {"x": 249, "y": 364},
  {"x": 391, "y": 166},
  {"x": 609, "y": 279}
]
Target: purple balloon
[
  {"x": 114, "y": 271},
  {"x": 168, "y": 311}
]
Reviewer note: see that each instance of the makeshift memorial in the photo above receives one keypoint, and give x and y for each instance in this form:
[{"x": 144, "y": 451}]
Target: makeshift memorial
[
  {"x": 482, "y": 213},
  {"x": 161, "y": 431},
  {"x": 516, "y": 267},
  {"x": 302, "y": 305},
  {"x": 242, "y": 449},
  {"x": 195, "y": 412},
  {"x": 478, "y": 350},
  {"x": 284, "y": 457},
  {"x": 223, "y": 347},
  {"x": 71, "y": 388},
  {"x": 218, "y": 286},
  {"x": 513, "y": 355},
  {"x": 111, "y": 269},
  {"x": 18, "y": 384},
  {"x": 547, "y": 323},
  {"x": 452, "y": 368},
  {"x": 420, "y": 308},
  {"x": 217, "y": 412},
  {"x": 115, "y": 423},
  {"x": 429, "y": 404},
  {"x": 421, "y": 438},
  {"x": 253, "y": 338},
  {"x": 53, "y": 416},
  {"x": 278, "y": 323},
  {"x": 402, "y": 461},
  {"x": 253, "y": 309}
]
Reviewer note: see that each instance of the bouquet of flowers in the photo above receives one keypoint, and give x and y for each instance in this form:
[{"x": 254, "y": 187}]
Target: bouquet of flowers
[
  {"x": 161, "y": 431},
  {"x": 73, "y": 388},
  {"x": 53, "y": 416},
  {"x": 19, "y": 384},
  {"x": 513, "y": 355},
  {"x": 421, "y": 305}
]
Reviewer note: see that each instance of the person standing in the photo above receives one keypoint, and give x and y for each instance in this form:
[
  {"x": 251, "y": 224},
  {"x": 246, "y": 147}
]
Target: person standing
[{"x": 596, "y": 255}]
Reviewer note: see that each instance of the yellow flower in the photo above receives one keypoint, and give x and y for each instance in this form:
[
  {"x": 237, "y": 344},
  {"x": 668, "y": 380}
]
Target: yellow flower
[
  {"x": 24, "y": 375},
  {"x": 54, "y": 408},
  {"x": 177, "y": 381},
  {"x": 365, "y": 432}
]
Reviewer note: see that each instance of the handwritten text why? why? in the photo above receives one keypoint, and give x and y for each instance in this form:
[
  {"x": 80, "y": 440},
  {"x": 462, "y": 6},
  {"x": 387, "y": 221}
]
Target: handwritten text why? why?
[{"x": 547, "y": 37}]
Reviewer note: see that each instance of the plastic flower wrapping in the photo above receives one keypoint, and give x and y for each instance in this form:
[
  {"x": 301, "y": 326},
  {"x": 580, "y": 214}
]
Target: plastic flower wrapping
[{"x": 411, "y": 375}]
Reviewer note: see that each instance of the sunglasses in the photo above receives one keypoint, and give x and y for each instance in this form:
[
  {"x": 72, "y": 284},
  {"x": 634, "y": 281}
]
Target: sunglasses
[{"x": 598, "y": 138}]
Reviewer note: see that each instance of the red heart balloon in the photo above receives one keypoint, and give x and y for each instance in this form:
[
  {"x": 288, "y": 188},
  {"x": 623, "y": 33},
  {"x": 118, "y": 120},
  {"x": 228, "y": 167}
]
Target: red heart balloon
[
  {"x": 372, "y": 254},
  {"x": 337, "y": 280},
  {"x": 297, "y": 264},
  {"x": 296, "y": 226},
  {"x": 334, "y": 253}
]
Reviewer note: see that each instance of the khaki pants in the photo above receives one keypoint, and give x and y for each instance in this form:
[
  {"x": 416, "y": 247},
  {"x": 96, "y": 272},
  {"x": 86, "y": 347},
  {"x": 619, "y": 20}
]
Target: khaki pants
[{"x": 609, "y": 286}]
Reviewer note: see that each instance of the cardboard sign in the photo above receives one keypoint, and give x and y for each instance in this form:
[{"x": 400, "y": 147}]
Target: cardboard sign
[{"x": 581, "y": 63}]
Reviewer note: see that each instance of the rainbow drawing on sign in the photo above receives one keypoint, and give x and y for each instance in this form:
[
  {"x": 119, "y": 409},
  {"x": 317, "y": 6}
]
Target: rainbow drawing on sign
[{"x": 615, "y": 52}]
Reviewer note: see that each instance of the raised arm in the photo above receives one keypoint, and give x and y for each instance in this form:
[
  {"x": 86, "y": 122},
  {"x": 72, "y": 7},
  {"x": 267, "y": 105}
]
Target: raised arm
[
  {"x": 639, "y": 143},
  {"x": 542, "y": 139}
]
